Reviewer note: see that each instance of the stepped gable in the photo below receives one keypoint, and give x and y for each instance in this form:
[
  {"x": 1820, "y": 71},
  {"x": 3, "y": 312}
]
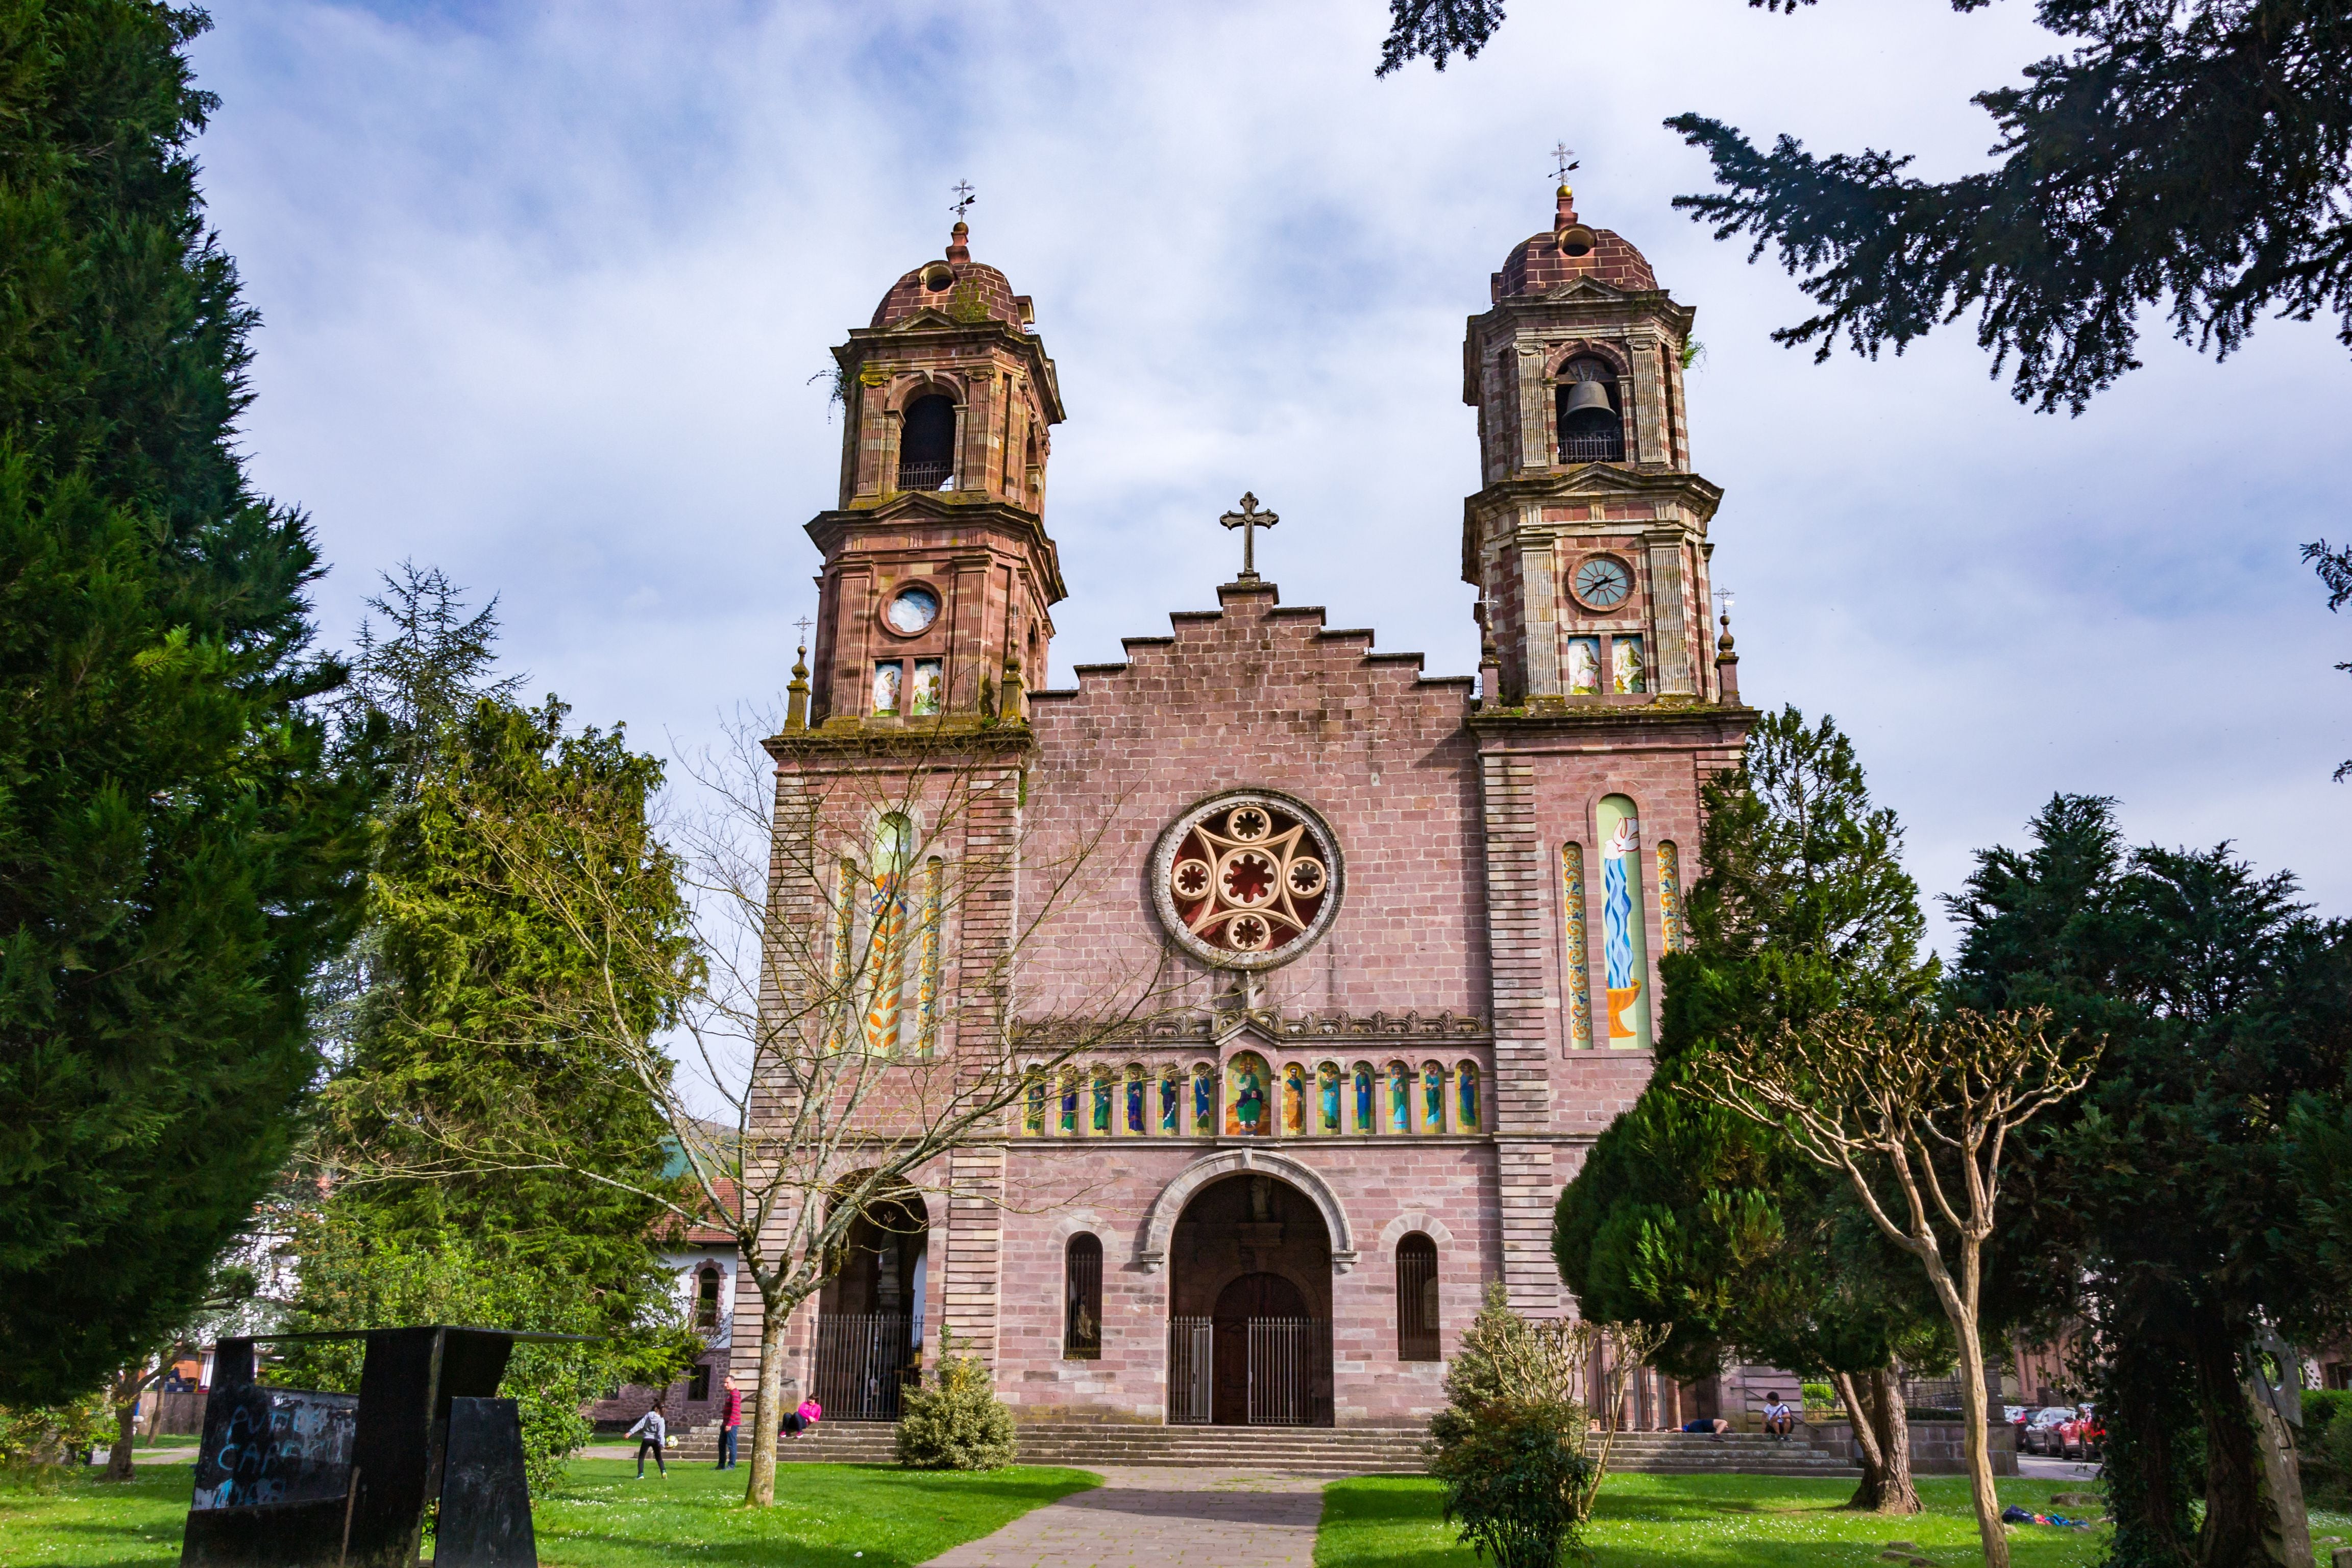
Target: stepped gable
[
  {"x": 1568, "y": 251},
  {"x": 1258, "y": 660}
]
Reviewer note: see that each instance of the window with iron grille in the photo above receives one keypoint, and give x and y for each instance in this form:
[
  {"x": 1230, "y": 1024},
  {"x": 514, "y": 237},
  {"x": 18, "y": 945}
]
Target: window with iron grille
[
  {"x": 1416, "y": 1263},
  {"x": 1082, "y": 1297},
  {"x": 706, "y": 1298},
  {"x": 698, "y": 1382}
]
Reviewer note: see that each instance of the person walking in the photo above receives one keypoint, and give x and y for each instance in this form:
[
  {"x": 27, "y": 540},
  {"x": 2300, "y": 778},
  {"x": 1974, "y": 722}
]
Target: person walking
[
  {"x": 731, "y": 1417},
  {"x": 649, "y": 1431}
]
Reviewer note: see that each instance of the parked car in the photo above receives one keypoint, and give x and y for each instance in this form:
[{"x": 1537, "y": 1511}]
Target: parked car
[
  {"x": 2040, "y": 1433},
  {"x": 2083, "y": 1437}
]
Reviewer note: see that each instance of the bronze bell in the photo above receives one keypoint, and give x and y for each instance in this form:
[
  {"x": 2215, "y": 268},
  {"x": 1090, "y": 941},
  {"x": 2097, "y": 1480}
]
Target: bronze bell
[{"x": 1587, "y": 396}]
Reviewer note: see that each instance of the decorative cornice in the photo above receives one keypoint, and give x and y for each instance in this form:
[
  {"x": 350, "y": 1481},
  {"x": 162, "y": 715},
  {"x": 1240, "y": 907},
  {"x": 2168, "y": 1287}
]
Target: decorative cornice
[
  {"x": 898, "y": 740},
  {"x": 1565, "y": 713},
  {"x": 1301, "y": 1028},
  {"x": 826, "y": 529}
]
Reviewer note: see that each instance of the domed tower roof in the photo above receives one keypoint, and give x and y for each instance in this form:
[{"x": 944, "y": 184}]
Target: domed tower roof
[
  {"x": 958, "y": 288},
  {"x": 1542, "y": 262}
]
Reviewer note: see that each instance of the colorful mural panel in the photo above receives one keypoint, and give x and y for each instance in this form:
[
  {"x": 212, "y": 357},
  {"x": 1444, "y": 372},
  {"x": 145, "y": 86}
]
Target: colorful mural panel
[
  {"x": 1584, "y": 666},
  {"x": 1575, "y": 955},
  {"x": 1630, "y": 673},
  {"x": 1171, "y": 1103},
  {"x": 1249, "y": 1108},
  {"x": 1204, "y": 1100},
  {"x": 1366, "y": 1120},
  {"x": 1670, "y": 898},
  {"x": 1327, "y": 1096},
  {"x": 1400, "y": 1097},
  {"x": 1624, "y": 944},
  {"x": 1294, "y": 1101},
  {"x": 1433, "y": 1098},
  {"x": 1465, "y": 1082}
]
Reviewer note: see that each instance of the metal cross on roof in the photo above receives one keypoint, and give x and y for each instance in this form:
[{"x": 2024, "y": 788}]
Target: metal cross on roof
[
  {"x": 1565, "y": 157},
  {"x": 1249, "y": 519},
  {"x": 803, "y": 623},
  {"x": 965, "y": 196}
]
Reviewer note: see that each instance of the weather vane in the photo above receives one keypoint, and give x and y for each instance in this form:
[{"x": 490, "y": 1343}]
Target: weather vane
[
  {"x": 1249, "y": 519},
  {"x": 1564, "y": 156},
  {"x": 965, "y": 196}
]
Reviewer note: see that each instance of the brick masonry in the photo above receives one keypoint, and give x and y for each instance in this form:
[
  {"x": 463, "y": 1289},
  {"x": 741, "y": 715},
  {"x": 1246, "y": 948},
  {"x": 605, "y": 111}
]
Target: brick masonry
[{"x": 1450, "y": 946}]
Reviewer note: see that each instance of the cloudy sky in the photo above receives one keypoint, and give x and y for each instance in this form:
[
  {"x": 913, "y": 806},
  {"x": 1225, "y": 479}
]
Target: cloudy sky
[{"x": 545, "y": 288}]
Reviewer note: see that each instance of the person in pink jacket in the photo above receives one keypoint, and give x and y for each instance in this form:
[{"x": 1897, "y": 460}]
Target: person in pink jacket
[
  {"x": 799, "y": 1421},
  {"x": 730, "y": 1417}
]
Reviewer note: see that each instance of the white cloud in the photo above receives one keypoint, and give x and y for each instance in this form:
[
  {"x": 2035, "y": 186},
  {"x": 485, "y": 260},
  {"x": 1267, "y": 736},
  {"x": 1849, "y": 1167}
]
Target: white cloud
[{"x": 544, "y": 287}]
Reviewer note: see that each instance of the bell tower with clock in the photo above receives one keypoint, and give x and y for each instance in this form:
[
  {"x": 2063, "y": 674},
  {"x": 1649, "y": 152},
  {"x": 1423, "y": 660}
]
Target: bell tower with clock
[{"x": 1587, "y": 540}]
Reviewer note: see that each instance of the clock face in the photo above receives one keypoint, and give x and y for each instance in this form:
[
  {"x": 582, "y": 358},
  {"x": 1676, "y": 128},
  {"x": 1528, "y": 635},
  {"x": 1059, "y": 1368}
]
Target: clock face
[
  {"x": 1602, "y": 583},
  {"x": 912, "y": 609}
]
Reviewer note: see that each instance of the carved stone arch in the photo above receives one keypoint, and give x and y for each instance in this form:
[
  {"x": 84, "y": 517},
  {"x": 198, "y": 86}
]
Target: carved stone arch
[
  {"x": 1606, "y": 352},
  {"x": 914, "y": 385},
  {"x": 1159, "y": 1220},
  {"x": 1073, "y": 1221},
  {"x": 1413, "y": 1220}
]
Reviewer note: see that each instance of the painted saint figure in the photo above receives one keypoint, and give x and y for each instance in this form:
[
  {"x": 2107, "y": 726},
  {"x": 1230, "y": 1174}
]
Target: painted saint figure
[
  {"x": 1584, "y": 666},
  {"x": 1245, "y": 1109}
]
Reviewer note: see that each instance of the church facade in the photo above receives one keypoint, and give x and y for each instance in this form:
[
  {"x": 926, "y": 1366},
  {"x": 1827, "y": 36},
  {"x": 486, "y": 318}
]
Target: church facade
[{"x": 1382, "y": 945}]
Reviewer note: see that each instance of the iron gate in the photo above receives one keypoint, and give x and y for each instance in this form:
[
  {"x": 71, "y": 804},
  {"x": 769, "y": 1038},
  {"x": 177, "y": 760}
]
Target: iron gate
[
  {"x": 1191, "y": 1360},
  {"x": 861, "y": 1364},
  {"x": 1289, "y": 1366}
]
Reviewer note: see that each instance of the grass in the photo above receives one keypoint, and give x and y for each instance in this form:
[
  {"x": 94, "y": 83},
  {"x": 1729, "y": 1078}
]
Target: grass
[
  {"x": 1728, "y": 1522},
  {"x": 601, "y": 1518}
]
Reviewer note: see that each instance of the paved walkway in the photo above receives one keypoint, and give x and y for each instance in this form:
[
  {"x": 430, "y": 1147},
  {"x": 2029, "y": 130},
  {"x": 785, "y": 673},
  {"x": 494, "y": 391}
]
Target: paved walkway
[{"x": 1161, "y": 1519}]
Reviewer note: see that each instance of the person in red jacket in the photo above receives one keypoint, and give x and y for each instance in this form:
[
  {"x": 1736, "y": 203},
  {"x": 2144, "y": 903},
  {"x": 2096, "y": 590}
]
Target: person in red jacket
[{"x": 729, "y": 1419}]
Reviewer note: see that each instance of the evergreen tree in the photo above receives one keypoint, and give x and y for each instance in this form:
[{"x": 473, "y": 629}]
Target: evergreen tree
[
  {"x": 2173, "y": 1204},
  {"x": 178, "y": 857},
  {"x": 477, "y": 1149},
  {"x": 2188, "y": 156},
  {"x": 1686, "y": 1214}
]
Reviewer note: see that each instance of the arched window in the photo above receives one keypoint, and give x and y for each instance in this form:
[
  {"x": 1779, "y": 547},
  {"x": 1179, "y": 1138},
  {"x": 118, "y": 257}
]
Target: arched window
[
  {"x": 1416, "y": 1264},
  {"x": 927, "y": 444},
  {"x": 1082, "y": 1298},
  {"x": 706, "y": 1297},
  {"x": 1591, "y": 425}
]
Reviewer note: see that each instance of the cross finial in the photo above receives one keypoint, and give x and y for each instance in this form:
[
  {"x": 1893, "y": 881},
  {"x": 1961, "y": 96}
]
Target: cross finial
[
  {"x": 1249, "y": 519},
  {"x": 965, "y": 196},
  {"x": 1563, "y": 157},
  {"x": 803, "y": 623}
]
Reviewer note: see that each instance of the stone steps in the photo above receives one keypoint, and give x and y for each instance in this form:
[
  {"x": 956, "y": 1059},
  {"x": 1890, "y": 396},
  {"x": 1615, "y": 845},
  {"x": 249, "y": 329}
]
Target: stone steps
[{"x": 1305, "y": 1450}]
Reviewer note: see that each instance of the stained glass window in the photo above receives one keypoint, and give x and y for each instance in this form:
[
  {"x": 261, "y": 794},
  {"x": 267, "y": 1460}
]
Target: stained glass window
[
  {"x": 1365, "y": 1121},
  {"x": 1466, "y": 1080},
  {"x": 1327, "y": 1095},
  {"x": 1033, "y": 1115},
  {"x": 1400, "y": 1097},
  {"x": 1433, "y": 1098},
  {"x": 1135, "y": 1101},
  {"x": 1171, "y": 1101},
  {"x": 1069, "y": 1103},
  {"x": 1102, "y": 1102}
]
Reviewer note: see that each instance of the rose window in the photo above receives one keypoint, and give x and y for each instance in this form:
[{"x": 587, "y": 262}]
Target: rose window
[{"x": 1246, "y": 880}]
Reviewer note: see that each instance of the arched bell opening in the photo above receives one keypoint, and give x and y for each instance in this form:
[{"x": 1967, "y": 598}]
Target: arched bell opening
[
  {"x": 1590, "y": 417},
  {"x": 1250, "y": 1307},
  {"x": 869, "y": 1327},
  {"x": 927, "y": 444}
]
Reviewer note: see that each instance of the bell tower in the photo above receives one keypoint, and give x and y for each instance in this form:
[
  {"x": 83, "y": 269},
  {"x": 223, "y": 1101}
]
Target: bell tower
[
  {"x": 938, "y": 578},
  {"x": 1588, "y": 538}
]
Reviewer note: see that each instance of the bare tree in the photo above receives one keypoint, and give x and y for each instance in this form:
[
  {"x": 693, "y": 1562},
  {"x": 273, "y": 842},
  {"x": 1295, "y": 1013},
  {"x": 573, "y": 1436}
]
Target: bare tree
[
  {"x": 861, "y": 907},
  {"x": 1932, "y": 1102}
]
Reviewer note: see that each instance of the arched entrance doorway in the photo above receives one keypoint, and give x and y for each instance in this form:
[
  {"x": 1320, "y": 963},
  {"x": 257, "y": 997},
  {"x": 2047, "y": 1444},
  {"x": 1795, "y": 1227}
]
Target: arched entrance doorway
[
  {"x": 869, "y": 1324},
  {"x": 1249, "y": 1332}
]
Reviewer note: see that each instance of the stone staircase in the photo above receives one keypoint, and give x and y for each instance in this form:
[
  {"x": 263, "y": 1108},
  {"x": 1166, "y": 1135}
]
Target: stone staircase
[
  {"x": 1734, "y": 1453},
  {"x": 1314, "y": 1451}
]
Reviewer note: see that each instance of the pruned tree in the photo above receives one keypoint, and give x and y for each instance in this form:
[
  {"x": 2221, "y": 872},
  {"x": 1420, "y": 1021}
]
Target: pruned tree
[
  {"x": 1930, "y": 1104},
  {"x": 858, "y": 913}
]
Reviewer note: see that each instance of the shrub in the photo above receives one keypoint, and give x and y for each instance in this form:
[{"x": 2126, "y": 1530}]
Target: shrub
[
  {"x": 957, "y": 1422},
  {"x": 1820, "y": 1396},
  {"x": 36, "y": 1444},
  {"x": 1515, "y": 1481},
  {"x": 2321, "y": 1406}
]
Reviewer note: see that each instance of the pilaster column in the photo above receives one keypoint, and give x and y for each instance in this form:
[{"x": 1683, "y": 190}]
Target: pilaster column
[
  {"x": 1517, "y": 929},
  {"x": 1540, "y": 612},
  {"x": 1675, "y": 668}
]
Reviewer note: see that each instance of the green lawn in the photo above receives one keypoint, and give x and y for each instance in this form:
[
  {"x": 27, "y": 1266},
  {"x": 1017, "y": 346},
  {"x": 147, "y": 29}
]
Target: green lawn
[
  {"x": 1731, "y": 1521},
  {"x": 824, "y": 1514}
]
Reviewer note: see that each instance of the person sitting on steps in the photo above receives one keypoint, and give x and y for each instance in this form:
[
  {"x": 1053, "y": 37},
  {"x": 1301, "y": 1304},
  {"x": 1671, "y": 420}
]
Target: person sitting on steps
[{"x": 1778, "y": 1421}]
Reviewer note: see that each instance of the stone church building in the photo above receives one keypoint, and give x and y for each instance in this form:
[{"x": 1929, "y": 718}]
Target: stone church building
[{"x": 1398, "y": 934}]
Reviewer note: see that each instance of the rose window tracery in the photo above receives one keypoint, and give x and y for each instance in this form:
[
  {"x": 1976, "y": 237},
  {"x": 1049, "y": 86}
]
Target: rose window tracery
[{"x": 1246, "y": 880}]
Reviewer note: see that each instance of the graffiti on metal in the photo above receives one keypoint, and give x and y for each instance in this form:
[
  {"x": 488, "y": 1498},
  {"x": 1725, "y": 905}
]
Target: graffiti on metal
[{"x": 275, "y": 1446}]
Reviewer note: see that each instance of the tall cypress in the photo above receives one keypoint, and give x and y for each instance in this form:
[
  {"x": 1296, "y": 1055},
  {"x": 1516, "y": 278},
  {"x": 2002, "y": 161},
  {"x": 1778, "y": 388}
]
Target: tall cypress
[{"x": 178, "y": 856}]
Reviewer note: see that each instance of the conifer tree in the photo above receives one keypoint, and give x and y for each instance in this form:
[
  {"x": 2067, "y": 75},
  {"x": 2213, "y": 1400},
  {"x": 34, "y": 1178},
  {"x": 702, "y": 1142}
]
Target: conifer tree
[{"x": 178, "y": 856}]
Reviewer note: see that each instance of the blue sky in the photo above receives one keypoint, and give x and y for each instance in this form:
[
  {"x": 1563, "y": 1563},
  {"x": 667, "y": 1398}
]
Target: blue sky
[{"x": 545, "y": 288}]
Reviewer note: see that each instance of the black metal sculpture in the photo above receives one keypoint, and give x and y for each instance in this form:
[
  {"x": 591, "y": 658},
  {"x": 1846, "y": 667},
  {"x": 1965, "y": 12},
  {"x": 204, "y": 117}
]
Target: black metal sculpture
[{"x": 290, "y": 1478}]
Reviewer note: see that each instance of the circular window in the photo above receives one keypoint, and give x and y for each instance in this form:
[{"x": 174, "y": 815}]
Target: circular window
[
  {"x": 936, "y": 276},
  {"x": 1601, "y": 583},
  {"x": 1246, "y": 880},
  {"x": 911, "y": 610}
]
